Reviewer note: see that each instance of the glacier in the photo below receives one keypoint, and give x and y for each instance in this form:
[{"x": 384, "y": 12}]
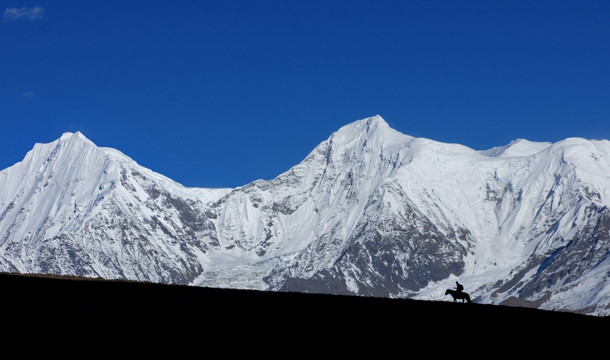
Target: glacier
[{"x": 369, "y": 212}]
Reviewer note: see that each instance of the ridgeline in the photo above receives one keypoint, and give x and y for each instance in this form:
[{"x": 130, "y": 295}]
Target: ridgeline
[{"x": 143, "y": 316}]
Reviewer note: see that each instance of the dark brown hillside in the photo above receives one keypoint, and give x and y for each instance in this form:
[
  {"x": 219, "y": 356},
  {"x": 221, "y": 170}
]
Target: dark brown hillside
[{"x": 117, "y": 316}]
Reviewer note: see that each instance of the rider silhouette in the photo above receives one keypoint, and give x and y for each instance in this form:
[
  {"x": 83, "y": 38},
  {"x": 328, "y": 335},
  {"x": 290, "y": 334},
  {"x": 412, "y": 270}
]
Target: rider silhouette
[{"x": 458, "y": 287}]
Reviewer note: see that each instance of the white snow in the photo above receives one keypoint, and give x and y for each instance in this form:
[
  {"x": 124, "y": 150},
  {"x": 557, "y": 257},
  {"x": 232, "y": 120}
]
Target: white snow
[{"x": 302, "y": 220}]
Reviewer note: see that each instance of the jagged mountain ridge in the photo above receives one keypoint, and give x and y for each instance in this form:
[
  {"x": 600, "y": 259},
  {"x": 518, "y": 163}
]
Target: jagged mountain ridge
[
  {"x": 72, "y": 208},
  {"x": 370, "y": 211}
]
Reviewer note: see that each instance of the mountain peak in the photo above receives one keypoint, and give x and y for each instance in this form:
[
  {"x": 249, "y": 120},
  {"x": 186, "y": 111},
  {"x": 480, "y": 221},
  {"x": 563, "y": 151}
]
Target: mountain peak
[
  {"x": 369, "y": 130},
  {"x": 66, "y": 135},
  {"x": 376, "y": 120},
  {"x": 369, "y": 202},
  {"x": 74, "y": 136},
  {"x": 367, "y": 124},
  {"x": 516, "y": 148}
]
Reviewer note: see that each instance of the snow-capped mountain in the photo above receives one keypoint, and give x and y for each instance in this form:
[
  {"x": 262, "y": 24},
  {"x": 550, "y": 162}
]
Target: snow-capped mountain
[
  {"x": 72, "y": 208},
  {"x": 370, "y": 212}
]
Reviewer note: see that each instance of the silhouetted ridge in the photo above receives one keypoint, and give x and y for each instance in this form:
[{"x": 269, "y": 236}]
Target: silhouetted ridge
[{"x": 88, "y": 309}]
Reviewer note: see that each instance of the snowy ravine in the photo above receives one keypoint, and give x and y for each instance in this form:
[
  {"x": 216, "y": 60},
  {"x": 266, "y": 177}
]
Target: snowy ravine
[{"x": 369, "y": 212}]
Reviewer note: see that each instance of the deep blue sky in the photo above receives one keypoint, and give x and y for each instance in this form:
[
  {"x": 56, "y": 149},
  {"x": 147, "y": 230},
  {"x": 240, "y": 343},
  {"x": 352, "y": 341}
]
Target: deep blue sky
[{"x": 221, "y": 93}]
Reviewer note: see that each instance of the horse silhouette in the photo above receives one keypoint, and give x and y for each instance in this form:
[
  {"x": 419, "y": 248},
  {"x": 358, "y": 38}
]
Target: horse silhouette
[{"x": 458, "y": 295}]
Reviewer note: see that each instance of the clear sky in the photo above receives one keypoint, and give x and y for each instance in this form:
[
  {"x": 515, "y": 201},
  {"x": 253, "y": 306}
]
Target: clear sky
[{"x": 221, "y": 93}]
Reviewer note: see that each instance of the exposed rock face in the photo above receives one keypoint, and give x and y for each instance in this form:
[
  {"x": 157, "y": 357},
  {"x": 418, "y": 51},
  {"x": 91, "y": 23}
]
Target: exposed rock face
[{"x": 369, "y": 212}]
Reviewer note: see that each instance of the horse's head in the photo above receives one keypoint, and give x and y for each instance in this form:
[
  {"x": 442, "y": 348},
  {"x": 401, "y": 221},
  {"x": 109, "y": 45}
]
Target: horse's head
[{"x": 447, "y": 291}]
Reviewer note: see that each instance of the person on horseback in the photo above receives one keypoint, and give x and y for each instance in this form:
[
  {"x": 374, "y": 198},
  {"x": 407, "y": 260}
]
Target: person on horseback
[
  {"x": 458, "y": 287},
  {"x": 458, "y": 293}
]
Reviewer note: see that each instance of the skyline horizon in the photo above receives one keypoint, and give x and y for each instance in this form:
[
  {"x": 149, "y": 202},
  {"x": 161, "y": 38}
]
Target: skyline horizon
[
  {"x": 68, "y": 134},
  {"x": 221, "y": 94}
]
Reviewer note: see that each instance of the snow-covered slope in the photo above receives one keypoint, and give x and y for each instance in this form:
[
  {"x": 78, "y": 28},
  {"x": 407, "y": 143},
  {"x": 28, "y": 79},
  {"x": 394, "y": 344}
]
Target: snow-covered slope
[
  {"x": 370, "y": 211},
  {"x": 71, "y": 207}
]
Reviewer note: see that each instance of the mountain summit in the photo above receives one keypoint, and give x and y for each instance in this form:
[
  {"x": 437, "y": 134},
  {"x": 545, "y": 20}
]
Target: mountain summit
[{"x": 369, "y": 211}]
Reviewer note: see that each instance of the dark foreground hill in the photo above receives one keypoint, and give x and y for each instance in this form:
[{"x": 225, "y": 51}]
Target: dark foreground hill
[{"x": 118, "y": 316}]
